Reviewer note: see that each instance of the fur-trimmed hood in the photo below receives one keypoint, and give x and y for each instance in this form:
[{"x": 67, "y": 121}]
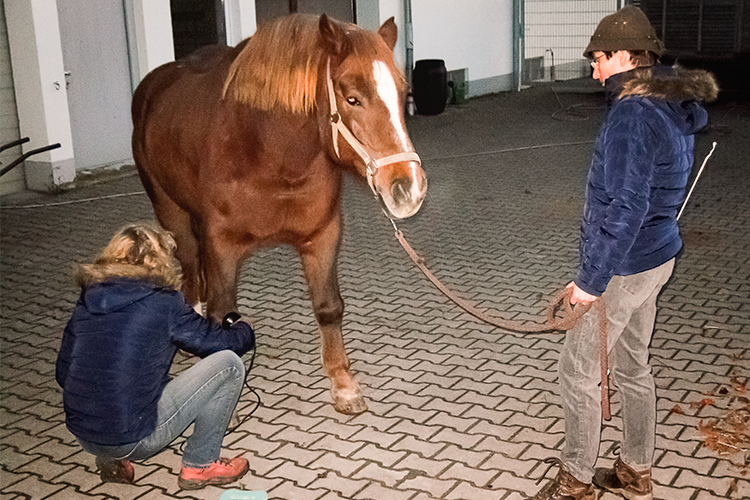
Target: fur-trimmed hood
[
  {"x": 110, "y": 287},
  {"x": 678, "y": 92},
  {"x": 669, "y": 83},
  {"x": 164, "y": 276}
]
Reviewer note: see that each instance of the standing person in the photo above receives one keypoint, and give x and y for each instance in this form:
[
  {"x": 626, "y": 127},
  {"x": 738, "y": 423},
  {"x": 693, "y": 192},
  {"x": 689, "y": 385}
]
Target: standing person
[
  {"x": 116, "y": 353},
  {"x": 629, "y": 239}
]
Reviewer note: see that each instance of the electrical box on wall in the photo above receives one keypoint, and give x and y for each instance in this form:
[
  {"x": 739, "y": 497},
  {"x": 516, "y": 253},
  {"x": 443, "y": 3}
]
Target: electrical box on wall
[{"x": 458, "y": 86}]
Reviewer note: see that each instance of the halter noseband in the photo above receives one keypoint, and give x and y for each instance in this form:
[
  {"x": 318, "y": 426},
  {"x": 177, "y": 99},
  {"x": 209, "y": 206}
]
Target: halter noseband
[{"x": 337, "y": 125}]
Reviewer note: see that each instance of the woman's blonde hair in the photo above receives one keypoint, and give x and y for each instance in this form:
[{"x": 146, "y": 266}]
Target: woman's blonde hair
[{"x": 137, "y": 251}]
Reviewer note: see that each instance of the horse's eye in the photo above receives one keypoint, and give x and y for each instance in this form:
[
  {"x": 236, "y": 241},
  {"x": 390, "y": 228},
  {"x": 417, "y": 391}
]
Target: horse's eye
[{"x": 353, "y": 101}]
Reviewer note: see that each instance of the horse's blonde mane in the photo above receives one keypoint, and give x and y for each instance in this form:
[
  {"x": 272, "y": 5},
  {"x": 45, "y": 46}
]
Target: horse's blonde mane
[{"x": 278, "y": 68}]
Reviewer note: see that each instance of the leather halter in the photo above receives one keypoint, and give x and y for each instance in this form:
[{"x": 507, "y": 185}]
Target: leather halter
[{"x": 338, "y": 126}]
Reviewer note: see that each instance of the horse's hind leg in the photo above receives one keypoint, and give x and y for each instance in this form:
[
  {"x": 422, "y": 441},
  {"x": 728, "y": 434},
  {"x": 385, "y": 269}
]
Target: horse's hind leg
[
  {"x": 177, "y": 221},
  {"x": 180, "y": 225},
  {"x": 319, "y": 257}
]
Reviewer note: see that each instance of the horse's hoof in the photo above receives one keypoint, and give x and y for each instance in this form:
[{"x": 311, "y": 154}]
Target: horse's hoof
[
  {"x": 346, "y": 394},
  {"x": 352, "y": 406}
]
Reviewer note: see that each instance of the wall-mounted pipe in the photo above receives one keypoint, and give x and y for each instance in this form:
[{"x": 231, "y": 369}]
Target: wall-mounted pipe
[{"x": 408, "y": 41}]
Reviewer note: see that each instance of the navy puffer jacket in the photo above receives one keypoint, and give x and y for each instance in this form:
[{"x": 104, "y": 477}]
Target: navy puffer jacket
[
  {"x": 642, "y": 160},
  {"x": 117, "y": 350}
]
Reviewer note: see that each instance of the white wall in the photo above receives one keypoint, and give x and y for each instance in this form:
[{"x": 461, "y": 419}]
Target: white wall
[
  {"x": 152, "y": 21},
  {"x": 41, "y": 97},
  {"x": 368, "y": 14},
  {"x": 476, "y": 35},
  {"x": 395, "y": 8},
  {"x": 241, "y": 21},
  {"x": 13, "y": 180}
]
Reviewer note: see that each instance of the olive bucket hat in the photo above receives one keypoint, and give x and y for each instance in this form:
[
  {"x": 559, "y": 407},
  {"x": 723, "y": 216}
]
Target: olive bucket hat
[{"x": 626, "y": 29}]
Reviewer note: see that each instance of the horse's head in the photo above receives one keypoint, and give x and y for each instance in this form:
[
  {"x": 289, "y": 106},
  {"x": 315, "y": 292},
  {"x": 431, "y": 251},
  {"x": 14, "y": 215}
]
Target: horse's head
[
  {"x": 362, "y": 104},
  {"x": 347, "y": 76}
]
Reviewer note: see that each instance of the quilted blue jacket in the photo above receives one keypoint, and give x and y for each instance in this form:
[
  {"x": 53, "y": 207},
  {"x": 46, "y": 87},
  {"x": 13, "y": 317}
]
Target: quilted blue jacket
[
  {"x": 640, "y": 168},
  {"x": 117, "y": 350}
]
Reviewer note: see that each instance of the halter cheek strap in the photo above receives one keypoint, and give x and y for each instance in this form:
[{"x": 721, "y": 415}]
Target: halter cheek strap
[{"x": 338, "y": 126}]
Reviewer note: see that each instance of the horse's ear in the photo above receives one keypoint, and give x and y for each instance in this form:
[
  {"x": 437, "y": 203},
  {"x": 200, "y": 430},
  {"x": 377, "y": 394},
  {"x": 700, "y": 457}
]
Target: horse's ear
[
  {"x": 333, "y": 39},
  {"x": 389, "y": 32}
]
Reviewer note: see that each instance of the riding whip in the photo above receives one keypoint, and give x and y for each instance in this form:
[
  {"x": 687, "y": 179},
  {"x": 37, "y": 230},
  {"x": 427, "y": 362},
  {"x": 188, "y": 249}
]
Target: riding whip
[{"x": 696, "y": 180}]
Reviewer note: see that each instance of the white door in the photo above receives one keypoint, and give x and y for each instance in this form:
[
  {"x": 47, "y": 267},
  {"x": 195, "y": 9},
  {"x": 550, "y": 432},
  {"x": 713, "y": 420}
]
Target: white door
[{"x": 95, "y": 54}]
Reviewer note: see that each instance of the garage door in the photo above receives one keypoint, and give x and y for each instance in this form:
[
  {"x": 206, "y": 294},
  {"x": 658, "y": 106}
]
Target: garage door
[
  {"x": 12, "y": 181},
  {"x": 556, "y": 32}
]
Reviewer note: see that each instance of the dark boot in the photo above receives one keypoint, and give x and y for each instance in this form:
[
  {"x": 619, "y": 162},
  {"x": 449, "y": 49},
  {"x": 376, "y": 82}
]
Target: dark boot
[
  {"x": 115, "y": 471},
  {"x": 621, "y": 479},
  {"x": 565, "y": 487}
]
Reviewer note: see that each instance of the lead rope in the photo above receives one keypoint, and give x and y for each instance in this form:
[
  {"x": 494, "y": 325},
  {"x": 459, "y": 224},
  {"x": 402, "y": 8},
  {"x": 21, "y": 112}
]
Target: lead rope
[
  {"x": 570, "y": 316},
  {"x": 603, "y": 357}
]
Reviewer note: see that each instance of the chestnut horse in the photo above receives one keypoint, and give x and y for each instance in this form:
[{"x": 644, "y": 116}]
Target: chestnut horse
[{"x": 245, "y": 147}]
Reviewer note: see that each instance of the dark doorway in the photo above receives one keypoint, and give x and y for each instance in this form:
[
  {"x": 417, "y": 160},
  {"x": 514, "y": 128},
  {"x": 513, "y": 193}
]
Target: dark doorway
[
  {"x": 196, "y": 23},
  {"x": 343, "y": 10}
]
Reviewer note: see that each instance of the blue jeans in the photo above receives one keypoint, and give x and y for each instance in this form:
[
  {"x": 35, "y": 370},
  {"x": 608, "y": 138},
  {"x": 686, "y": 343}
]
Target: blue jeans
[
  {"x": 206, "y": 394},
  {"x": 631, "y": 311}
]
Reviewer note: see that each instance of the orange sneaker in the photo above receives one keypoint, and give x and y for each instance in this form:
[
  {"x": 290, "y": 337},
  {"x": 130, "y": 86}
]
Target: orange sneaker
[{"x": 223, "y": 471}]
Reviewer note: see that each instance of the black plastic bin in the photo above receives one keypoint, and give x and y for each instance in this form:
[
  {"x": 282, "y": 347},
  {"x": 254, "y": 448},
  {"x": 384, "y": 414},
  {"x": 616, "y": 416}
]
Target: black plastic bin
[{"x": 430, "y": 86}]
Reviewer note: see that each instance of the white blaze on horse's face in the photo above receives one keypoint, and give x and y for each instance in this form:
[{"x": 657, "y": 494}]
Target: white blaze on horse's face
[
  {"x": 402, "y": 198},
  {"x": 388, "y": 92}
]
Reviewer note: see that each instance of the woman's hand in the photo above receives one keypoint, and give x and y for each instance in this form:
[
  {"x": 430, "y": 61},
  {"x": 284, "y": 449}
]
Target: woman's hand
[{"x": 579, "y": 296}]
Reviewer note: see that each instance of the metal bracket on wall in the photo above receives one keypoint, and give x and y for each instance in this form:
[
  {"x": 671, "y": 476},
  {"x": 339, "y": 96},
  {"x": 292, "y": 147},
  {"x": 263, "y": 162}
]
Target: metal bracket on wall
[{"x": 23, "y": 157}]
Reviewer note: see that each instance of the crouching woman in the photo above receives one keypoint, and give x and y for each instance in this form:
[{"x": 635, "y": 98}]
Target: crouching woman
[{"x": 120, "y": 402}]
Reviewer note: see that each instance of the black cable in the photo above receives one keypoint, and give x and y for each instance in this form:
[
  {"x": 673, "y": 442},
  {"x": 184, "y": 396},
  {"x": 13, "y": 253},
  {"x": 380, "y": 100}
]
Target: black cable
[
  {"x": 572, "y": 113},
  {"x": 179, "y": 445},
  {"x": 249, "y": 388}
]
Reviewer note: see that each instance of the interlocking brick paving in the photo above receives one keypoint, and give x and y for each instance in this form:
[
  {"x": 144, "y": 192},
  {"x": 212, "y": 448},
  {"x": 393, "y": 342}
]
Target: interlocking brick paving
[{"x": 457, "y": 408}]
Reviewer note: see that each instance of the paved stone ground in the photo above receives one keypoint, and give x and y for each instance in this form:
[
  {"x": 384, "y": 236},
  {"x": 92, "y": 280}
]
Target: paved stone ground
[{"x": 458, "y": 409}]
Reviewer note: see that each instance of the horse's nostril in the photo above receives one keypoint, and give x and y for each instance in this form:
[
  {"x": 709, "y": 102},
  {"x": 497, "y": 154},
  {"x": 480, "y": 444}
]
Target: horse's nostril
[{"x": 400, "y": 190}]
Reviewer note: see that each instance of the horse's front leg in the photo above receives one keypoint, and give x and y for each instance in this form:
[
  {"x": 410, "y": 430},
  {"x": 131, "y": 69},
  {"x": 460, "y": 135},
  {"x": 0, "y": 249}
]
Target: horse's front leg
[
  {"x": 221, "y": 261},
  {"x": 319, "y": 256}
]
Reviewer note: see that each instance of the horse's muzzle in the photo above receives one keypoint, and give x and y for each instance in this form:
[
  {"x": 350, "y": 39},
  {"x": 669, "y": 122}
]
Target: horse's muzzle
[{"x": 404, "y": 191}]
